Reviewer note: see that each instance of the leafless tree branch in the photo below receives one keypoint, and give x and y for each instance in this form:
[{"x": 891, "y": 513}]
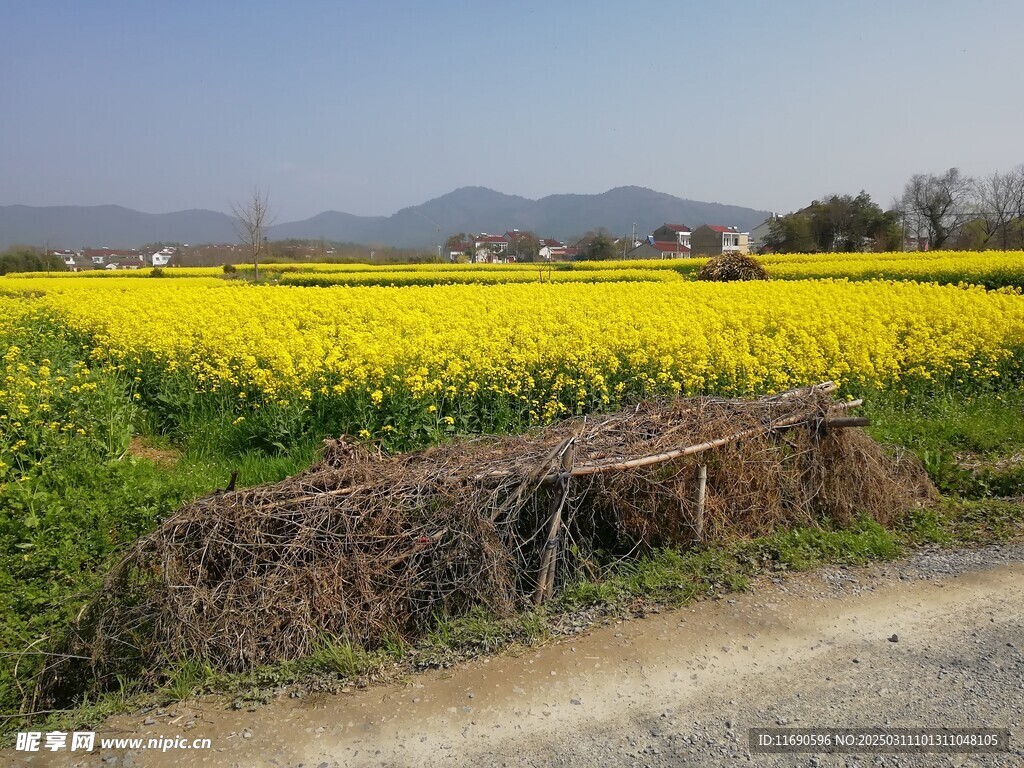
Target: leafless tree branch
[{"x": 252, "y": 218}]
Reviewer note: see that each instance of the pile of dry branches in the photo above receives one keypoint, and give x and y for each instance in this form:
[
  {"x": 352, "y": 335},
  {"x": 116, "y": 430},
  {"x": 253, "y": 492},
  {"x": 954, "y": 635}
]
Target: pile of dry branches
[
  {"x": 731, "y": 266},
  {"x": 363, "y": 545}
]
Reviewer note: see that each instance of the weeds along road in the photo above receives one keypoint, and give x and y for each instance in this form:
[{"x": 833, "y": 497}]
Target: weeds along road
[{"x": 676, "y": 688}]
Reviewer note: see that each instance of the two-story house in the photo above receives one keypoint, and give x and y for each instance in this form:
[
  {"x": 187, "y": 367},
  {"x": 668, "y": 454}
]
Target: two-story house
[
  {"x": 489, "y": 247},
  {"x": 669, "y": 232},
  {"x": 162, "y": 257},
  {"x": 715, "y": 239}
]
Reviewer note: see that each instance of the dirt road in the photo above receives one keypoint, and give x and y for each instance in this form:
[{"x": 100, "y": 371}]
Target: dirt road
[{"x": 936, "y": 640}]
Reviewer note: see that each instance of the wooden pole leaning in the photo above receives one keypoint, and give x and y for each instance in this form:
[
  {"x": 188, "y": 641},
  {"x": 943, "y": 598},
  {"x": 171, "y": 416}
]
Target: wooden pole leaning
[
  {"x": 559, "y": 494},
  {"x": 702, "y": 490}
]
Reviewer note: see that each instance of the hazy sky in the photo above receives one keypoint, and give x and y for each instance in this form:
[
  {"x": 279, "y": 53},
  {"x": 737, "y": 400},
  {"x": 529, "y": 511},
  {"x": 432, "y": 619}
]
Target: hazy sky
[{"x": 368, "y": 107}]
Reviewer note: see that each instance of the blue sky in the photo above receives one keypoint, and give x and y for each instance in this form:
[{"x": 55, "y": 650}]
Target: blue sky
[{"x": 370, "y": 107}]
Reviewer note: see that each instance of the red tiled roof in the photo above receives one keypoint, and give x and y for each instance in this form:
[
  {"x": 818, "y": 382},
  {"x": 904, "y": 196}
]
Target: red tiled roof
[
  {"x": 491, "y": 239},
  {"x": 678, "y": 227},
  {"x": 720, "y": 228}
]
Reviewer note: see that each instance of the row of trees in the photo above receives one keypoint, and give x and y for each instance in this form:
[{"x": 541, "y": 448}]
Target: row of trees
[
  {"x": 23, "y": 258},
  {"x": 948, "y": 210},
  {"x": 837, "y": 223},
  {"x": 952, "y": 210}
]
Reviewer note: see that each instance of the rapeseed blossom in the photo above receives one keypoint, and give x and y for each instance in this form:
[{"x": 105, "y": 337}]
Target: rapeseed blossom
[{"x": 546, "y": 349}]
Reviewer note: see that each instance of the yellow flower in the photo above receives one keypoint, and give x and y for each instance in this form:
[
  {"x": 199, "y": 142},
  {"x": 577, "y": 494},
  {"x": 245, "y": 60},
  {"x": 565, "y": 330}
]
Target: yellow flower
[{"x": 537, "y": 349}]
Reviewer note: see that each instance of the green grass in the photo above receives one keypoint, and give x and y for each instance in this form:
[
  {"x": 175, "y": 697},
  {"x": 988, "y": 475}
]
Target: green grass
[
  {"x": 985, "y": 422},
  {"x": 676, "y": 578},
  {"x": 339, "y": 657},
  {"x": 965, "y": 523},
  {"x": 186, "y": 679},
  {"x": 478, "y": 632},
  {"x": 960, "y": 437}
]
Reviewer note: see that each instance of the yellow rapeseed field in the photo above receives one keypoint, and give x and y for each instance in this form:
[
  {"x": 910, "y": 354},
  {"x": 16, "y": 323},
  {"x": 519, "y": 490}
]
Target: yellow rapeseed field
[
  {"x": 990, "y": 268},
  {"x": 548, "y": 348}
]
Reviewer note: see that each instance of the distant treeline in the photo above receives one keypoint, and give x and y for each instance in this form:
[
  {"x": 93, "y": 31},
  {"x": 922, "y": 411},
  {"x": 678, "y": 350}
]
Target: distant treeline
[
  {"x": 937, "y": 211},
  {"x": 23, "y": 258}
]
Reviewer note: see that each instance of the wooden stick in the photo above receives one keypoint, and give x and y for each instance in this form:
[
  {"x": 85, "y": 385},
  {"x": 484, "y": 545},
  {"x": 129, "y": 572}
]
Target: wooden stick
[
  {"x": 690, "y": 450},
  {"x": 546, "y": 575},
  {"x": 515, "y": 498},
  {"x": 702, "y": 488},
  {"x": 848, "y": 421},
  {"x": 597, "y": 467}
]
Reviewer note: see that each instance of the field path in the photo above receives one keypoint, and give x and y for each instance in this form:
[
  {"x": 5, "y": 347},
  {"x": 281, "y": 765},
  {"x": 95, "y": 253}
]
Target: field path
[{"x": 676, "y": 688}]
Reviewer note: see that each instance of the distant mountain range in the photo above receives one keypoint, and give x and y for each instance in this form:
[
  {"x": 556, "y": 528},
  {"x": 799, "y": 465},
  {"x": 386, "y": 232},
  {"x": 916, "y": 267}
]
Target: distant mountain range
[{"x": 468, "y": 209}]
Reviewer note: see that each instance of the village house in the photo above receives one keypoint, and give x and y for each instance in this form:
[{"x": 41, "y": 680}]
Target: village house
[
  {"x": 715, "y": 239},
  {"x": 458, "y": 250},
  {"x": 72, "y": 259},
  {"x": 130, "y": 263},
  {"x": 519, "y": 245},
  {"x": 759, "y": 234},
  {"x": 489, "y": 248},
  {"x": 79, "y": 264},
  {"x": 558, "y": 253},
  {"x": 551, "y": 250},
  {"x": 673, "y": 232},
  {"x": 162, "y": 257},
  {"x": 659, "y": 249},
  {"x": 103, "y": 256}
]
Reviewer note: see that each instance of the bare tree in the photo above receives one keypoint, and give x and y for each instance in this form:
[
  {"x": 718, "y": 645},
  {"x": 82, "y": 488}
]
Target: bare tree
[
  {"x": 936, "y": 206},
  {"x": 1016, "y": 222},
  {"x": 252, "y": 218},
  {"x": 996, "y": 197}
]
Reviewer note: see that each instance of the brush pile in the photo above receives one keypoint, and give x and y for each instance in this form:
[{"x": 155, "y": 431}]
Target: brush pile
[
  {"x": 732, "y": 266},
  {"x": 363, "y": 546}
]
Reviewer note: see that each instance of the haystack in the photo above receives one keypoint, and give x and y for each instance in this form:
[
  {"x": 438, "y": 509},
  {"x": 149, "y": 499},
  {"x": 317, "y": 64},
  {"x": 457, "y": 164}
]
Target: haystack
[
  {"x": 729, "y": 267},
  {"x": 365, "y": 546}
]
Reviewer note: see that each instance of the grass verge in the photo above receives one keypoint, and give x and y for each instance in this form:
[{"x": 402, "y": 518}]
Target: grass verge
[{"x": 971, "y": 443}]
